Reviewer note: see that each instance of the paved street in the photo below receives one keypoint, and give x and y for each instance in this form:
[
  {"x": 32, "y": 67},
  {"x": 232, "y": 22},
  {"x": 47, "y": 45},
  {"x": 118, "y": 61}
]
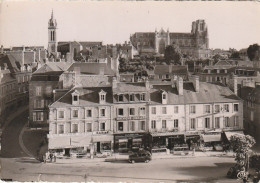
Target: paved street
[
  {"x": 10, "y": 137},
  {"x": 166, "y": 170}
]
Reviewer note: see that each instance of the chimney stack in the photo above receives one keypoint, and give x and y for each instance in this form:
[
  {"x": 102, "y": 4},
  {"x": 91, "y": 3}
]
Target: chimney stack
[
  {"x": 235, "y": 84},
  {"x": 23, "y": 56},
  {"x": 5, "y": 66},
  {"x": 179, "y": 85},
  {"x": 196, "y": 83},
  {"x": 114, "y": 83},
  {"x": 147, "y": 84}
]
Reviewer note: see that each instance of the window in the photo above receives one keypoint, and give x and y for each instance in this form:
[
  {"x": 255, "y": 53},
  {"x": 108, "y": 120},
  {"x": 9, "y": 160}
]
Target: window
[
  {"x": 252, "y": 116},
  {"x": 61, "y": 114},
  {"x": 142, "y": 125},
  {"x": 75, "y": 98},
  {"x": 89, "y": 127},
  {"x": 60, "y": 129},
  {"x": 102, "y": 126},
  {"x": 38, "y": 116},
  {"x": 164, "y": 96},
  {"x": 192, "y": 123},
  {"x": 164, "y": 110},
  {"x": 153, "y": 110},
  {"x": 132, "y": 111},
  {"x": 193, "y": 109},
  {"x": 102, "y": 112},
  {"x": 74, "y": 128},
  {"x": 176, "y": 109},
  {"x": 207, "y": 108},
  {"x": 75, "y": 113},
  {"x": 226, "y": 107},
  {"x": 176, "y": 123},
  {"x": 236, "y": 107},
  {"x": 102, "y": 97},
  {"x": 132, "y": 97},
  {"x": 153, "y": 124},
  {"x": 142, "y": 97},
  {"x": 142, "y": 111},
  {"x": 217, "y": 122},
  {"x": 207, "y": 122},
  {"x": 236, "y": 121},
  {"x": 132, "y": 126},
  {"x": 163, "y": 123},
  {"x": 226, "y": 121},
  {"x": 89, "y": 113},
  {"x": 120, "y": 98},
  {"x": 217, "y": 108},
  {"x": 120, "y": 126},
  {"x": 120, "y": 112},
  {"x": 38, "y": 90}
]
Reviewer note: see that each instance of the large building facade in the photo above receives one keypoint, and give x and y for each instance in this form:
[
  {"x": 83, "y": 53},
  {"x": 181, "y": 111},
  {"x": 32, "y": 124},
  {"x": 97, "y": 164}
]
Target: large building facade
[{"x": 195, "y": 43}]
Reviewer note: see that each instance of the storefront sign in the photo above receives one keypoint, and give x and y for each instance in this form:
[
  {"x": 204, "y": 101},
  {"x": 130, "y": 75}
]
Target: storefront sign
[{"x": 130, "y": 118}]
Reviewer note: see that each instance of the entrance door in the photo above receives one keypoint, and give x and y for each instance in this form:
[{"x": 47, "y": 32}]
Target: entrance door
[
  {"x": 98, "y": 147},
  {"x": 67, "y": 152}
]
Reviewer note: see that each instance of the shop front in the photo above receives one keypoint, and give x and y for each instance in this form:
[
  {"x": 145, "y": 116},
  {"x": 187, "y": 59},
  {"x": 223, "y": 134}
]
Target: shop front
[
  {"x": 124, "y": 143},
  {"x": 193, "y": 140},
  {"x": 166, "y": 142},
  {"x": 103, "y": 143},
  {"x": 212, "y": 141}
]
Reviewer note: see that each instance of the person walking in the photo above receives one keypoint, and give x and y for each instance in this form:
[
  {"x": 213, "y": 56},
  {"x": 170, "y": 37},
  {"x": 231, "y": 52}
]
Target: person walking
[{"x": 51, "y": 156}]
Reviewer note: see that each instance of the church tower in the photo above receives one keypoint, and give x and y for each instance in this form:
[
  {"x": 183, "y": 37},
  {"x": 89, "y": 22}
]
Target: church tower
[{"x": 52, "y": 36}]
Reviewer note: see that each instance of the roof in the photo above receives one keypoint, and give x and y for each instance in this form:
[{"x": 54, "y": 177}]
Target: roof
[
  {"x": 130, "y": 87},
  {"x": 208, "y": 93},
  {"x": 87, "y": 96},
  {"x": 92, "y": 68},
  {"x": 53, "y": 66},
  {"x": 11, "y": 63},
  {"x": 176, "y": 69},
  {"x": 47, "y": 76},
  {"x": 7, "y": 76}
]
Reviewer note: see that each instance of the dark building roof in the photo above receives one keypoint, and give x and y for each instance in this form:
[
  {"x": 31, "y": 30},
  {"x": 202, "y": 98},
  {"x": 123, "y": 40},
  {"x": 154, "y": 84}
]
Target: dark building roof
[
  {"x": 254, "y": 95},
  {"x": 92, "y": 68},
  {"x": 87, "y": 96},
  {"x": 47, "y": 76},
  {"x": 12, "y": 64}
]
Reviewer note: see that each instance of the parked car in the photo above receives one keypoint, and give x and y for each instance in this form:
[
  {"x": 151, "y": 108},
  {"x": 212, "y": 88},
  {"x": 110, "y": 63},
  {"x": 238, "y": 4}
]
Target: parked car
[{"x": 140, "y": 156}]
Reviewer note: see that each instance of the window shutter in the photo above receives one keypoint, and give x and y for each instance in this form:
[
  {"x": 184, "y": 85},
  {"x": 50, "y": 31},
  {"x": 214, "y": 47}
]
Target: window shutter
[{"x": 41, "y": 116}]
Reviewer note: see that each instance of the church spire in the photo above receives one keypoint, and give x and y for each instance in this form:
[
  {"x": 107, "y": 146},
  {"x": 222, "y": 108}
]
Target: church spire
[{"x": 52, "y": 14}]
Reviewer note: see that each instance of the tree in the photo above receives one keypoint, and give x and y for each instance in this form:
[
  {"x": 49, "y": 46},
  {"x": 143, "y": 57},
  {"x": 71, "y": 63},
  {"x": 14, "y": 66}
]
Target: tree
[
  {"x": 172, "y": 54},
  {"x": 242, "y": 145},
  {"x": 253, "y": 51},
  {"x": 235, "y": 55}
]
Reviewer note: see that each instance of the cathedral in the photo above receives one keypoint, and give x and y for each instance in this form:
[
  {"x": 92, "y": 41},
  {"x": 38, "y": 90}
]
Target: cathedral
[{"x": 194, "y": 44}]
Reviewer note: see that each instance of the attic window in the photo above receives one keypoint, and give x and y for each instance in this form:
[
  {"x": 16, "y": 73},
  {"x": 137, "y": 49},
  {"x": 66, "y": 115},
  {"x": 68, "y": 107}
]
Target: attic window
[
  {"x": 164, "y": 96},
  {"x": 102, "y": 97},
  {"x": 75, "y": 98}
]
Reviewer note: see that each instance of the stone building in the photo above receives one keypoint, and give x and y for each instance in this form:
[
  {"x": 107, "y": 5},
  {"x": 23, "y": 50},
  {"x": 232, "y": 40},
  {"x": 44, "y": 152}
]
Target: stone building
[{"x": 195, "y": 43}]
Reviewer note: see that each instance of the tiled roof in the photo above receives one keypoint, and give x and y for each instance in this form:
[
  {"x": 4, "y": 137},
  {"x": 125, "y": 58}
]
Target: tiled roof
[
  {"x": 92, "y": 68},
  {"x": 11, "y": 63},
  {"x": 207, "y": 93},
  {"x": 88, "y": 96},
  {"x": 46, "y": 76},
  {"x": 176, "y": 69},
  {"x": 53, "y": 66}
]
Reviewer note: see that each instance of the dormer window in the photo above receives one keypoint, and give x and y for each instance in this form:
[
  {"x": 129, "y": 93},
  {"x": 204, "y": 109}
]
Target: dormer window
[
  {"x": 120, "y": 98},
  {"x": 75, "y": 98},
  {"x": 164, "y": 97},
  {"x": 132, "y": 97},
  {"x": 102, "y": 97}
]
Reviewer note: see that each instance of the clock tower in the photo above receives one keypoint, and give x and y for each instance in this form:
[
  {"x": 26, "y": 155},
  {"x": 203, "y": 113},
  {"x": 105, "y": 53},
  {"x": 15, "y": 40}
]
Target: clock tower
[{"x": 52, "y": 36}]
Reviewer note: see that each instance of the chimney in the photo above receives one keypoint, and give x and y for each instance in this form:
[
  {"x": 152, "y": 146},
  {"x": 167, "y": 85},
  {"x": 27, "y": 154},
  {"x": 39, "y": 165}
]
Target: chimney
[
  {"x": 77, "y": 76},
  {"x": 173, "y": 81},
  {"x": 114, "y": 83},
  {"x": 1, "y": 74},
  {"x": 5, "y": 66},
  {"x": 2, "y": 49},
  {"x": 179, "y": 84},
  {"x": 235, "y": 84},
  {"x": 23, "y": 56},
  {"x": 147, "y": 84},
  {"x": 196, "y": 82},
  {"x": 170, "y": 69}
]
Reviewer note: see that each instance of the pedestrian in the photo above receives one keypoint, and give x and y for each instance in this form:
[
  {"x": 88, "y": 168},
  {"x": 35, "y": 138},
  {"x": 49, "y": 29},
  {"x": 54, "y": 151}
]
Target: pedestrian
[
  {"x": 51, "y": 156},
  {"x": 54, "y": 157}
]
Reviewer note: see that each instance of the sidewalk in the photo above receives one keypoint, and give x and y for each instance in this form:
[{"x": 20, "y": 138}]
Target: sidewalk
[
  {"x": 19, "y": 111},
  {"x": 119, "y": 157}
]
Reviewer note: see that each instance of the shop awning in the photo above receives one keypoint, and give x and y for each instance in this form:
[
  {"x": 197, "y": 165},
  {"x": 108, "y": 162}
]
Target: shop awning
[
  {"x": 229, "y": 134},
  {"x": 123, "y": 140},
  {"x": 61, "y": 142},
  {"x": 212, "y": 137},
  {"x": 102, "y": 138},
  {"x": 137, "y": 140}
]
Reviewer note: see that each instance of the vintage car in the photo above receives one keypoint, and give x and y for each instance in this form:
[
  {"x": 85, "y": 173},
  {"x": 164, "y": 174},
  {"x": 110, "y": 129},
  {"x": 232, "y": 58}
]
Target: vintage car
[{"x": 140, "y": 156}]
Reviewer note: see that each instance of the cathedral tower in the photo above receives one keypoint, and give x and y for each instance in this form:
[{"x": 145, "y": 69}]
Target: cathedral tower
[{"x": 52, "y": 36}]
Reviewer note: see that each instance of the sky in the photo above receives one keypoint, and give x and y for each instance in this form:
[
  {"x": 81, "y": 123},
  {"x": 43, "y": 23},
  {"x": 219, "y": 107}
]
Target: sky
[{"x": 230, "y": 24}]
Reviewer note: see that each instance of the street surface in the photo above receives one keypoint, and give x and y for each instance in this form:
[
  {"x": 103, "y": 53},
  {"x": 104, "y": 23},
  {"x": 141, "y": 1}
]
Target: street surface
[{"x": 209, "y": 169}]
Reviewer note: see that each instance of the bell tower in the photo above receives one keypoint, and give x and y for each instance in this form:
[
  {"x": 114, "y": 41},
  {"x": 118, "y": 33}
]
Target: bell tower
[{"x": 52, "y": 36}]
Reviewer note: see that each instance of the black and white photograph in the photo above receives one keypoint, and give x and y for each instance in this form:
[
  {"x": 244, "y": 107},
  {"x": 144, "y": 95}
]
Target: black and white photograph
[{"x": 130, "y": 91}]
